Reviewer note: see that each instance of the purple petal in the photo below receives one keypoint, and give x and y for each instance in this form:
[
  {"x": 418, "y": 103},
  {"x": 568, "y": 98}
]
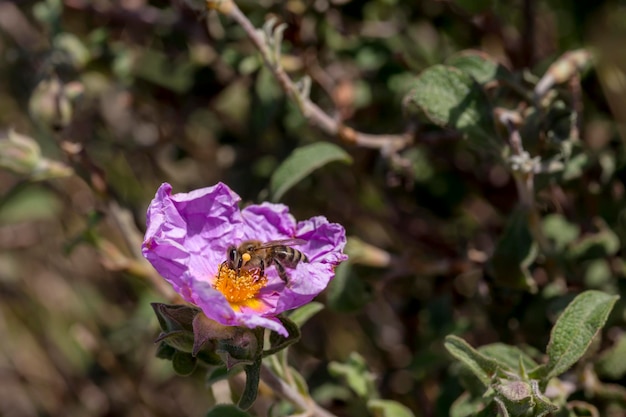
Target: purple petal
[{"x": 268, "y": 221}]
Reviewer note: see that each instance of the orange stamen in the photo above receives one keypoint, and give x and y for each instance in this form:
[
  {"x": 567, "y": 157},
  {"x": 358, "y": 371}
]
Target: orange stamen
[{"x": 239, "y": 289}]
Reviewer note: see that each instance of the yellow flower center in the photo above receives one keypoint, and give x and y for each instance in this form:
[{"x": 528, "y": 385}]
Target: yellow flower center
[{"x": 239, "y": 289}]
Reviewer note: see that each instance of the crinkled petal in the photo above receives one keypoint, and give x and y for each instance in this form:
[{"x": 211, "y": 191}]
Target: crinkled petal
[
  {"x": 267, "y": 221},
  {"x": 186, "y": 240},
  {"x": 324, "y": 247},
  {"x": 187, "y": 233}
]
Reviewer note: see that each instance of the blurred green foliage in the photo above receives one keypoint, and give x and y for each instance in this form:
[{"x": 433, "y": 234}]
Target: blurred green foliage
[{"x": 114, "y": 98}]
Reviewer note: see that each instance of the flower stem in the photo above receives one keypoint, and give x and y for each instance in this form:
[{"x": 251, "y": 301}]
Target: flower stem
[
  {"x": 388, "y": 145},
  {"x": 289, "y": 393}
]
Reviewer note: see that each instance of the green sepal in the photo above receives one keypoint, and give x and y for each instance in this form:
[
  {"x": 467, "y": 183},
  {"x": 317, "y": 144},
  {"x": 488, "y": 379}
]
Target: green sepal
[
  {"x": 253, "y": 372},
  {"x": 184, "y": 363},
  {"x": 180, "y": 340},
  {"x": 175, "y": 316},
  {"x": 279, "y": 342},
  {"x": 165, "y": 351}
]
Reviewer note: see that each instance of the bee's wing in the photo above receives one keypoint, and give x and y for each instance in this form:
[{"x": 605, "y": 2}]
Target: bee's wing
[{"x": 283, "y": 242}]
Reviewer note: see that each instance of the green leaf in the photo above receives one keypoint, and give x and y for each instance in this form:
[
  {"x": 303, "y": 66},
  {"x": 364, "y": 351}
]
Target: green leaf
[
  {"x": 484, "y": 368},
  {"x": 575, "y": 328},
  {"x": 388, "y": 408},
  {"x": 514, "y": 252},
  {"x": 304, "y": 313},
  {"x": 301, "y": 163},
  {"x": 559, "y": 230},
  {"x": 451, "y": 98},
  {"x": 226, "y": 410},
  {"x": 480, "y": 65},
  {"x": 354, "y": 371},
  {"x": 507, "y": 356},
  {"x": 598, "y": 245},
  {"x": 466, "y": 405}
]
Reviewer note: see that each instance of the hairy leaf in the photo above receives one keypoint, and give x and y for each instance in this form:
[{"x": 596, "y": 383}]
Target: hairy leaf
[
  {"x": 575, "y": 328},
  {"x": 484, "y": 368},
  {"x": 480, "y": 65},
  {"x": 451, "y": 98}
]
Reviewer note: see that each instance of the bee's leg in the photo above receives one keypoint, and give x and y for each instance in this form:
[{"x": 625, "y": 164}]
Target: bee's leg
[
  {"x": 262, "y": 268},
  {"x": 282, "y": 273}
]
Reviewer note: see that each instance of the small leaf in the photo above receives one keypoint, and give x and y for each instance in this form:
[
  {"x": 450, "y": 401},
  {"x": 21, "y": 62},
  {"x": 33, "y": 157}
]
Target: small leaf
[
  {"x": 480, "y": 65},
  {"x": 507, "y": 356},
  {"x": 597, "y": 245},
  {"x": 559, "y": 230},
  {"x": 301, "y": 163},
  {"x": 355, "y": 373},
  {"x": 388, "y": 408},
  {"x": 575, "y": 328},
  {"x": 514, "y": 252},
  {"x": 466, "y": 405},
  {"x": 451, "y": 98},
  {"x": 484, "y": 368},
  {"x": 304, "y": 313},
  {"x": 226, "y": 410}
]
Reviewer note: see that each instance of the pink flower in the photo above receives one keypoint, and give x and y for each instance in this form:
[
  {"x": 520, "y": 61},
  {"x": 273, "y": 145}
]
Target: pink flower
[{"x": 187, "y": 239}]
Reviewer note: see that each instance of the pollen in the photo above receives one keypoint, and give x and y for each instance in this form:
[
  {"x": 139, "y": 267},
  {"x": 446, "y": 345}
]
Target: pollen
[{"x": 239, "y": 289}]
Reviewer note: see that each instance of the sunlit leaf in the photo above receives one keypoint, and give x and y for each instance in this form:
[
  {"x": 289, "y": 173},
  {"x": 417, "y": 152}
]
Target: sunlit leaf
[
  {"x": 480, "y": 65},
  {"x": 451, "y": 98},
  {"x": 483, "y": 367},
  {"x": 575, "y": 328},
  {"x": 301, "y": 163}
]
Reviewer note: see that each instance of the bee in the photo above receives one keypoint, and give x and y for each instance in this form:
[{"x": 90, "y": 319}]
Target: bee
[{"x": 254, "y": 254}]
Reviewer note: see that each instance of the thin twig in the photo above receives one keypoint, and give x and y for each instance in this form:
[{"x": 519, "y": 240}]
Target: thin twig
[
  {"x": 387, "y": 144},
  {"x": 287, "y": 392}
]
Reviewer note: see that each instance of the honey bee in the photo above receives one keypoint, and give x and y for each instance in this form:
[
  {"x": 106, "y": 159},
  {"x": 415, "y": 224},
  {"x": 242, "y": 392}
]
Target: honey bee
[{"x": 254, "y": 254}]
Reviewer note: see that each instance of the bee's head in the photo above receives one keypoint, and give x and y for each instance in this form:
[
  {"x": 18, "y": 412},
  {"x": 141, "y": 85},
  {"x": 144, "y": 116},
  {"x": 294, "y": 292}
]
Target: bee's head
[{"x": 234, "y": 260}]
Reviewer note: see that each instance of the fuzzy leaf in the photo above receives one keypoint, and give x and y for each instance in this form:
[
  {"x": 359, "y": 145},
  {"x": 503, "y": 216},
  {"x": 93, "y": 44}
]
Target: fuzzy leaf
[
  {"x": 301, "y": 163},
  {"x": 507, "y": 356},
  {"x": 480, "y": 65},
  {"x": 484, "y": 368},
  {"x": 451, "y": 98},
  {"x": 575, "y": 328}
]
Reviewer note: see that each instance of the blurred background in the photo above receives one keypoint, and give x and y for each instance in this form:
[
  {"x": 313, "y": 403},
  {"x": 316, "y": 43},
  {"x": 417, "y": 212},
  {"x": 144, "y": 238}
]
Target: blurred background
[{"x": 116, "y": 97}]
